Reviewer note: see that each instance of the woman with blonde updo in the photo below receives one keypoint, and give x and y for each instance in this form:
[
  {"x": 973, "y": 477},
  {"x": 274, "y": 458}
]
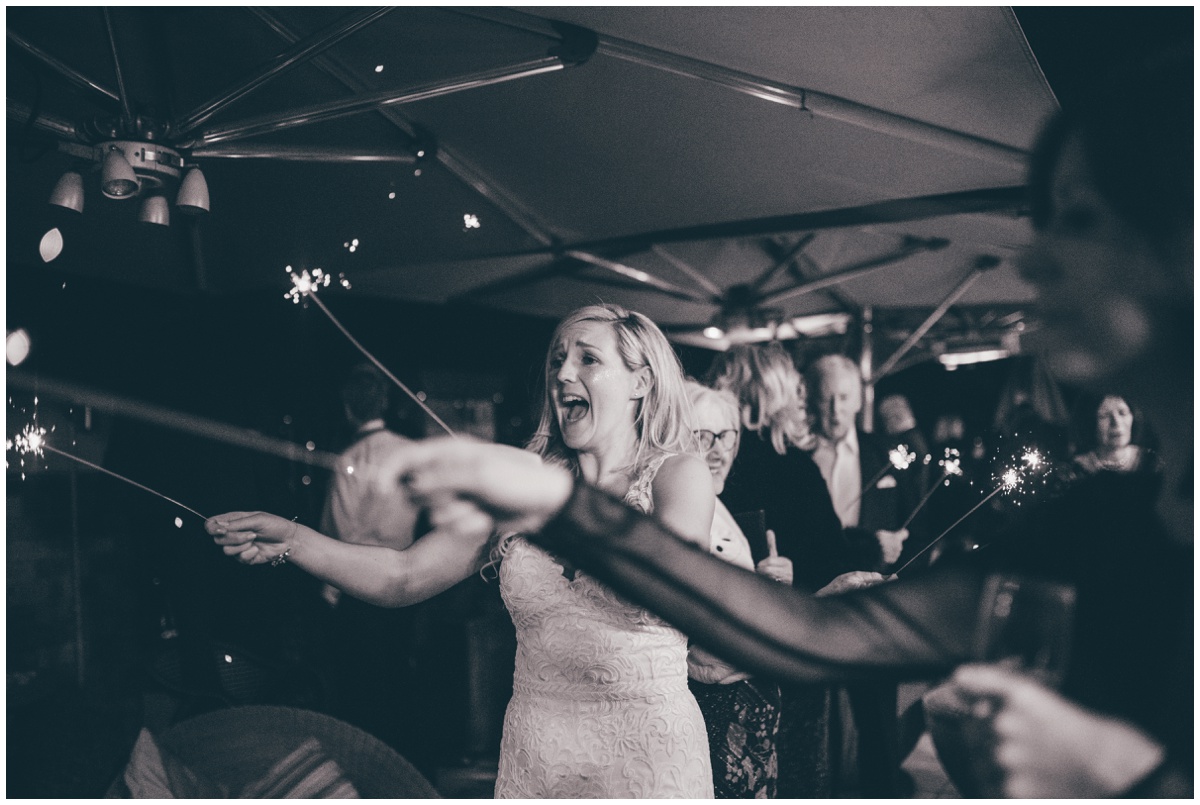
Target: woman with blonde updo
[{"x": 774, "y": 472}]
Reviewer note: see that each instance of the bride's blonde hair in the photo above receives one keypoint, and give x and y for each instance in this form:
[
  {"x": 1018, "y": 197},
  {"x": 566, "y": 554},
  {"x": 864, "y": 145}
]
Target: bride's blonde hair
[{"x": 663, "y": 417}]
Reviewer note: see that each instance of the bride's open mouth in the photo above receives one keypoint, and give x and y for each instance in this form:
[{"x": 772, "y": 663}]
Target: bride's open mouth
[{"x": 574, "y": 407}]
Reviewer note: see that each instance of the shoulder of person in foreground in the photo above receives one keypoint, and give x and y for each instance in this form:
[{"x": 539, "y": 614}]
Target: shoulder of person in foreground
[{"x": 683, "y": 497}]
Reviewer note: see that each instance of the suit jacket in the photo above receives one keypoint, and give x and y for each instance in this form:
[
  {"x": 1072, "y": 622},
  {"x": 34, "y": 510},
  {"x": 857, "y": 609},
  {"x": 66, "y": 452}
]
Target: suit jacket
[
  {"x": 890, "y": 501},
  {"x": 792, "y": 494}
]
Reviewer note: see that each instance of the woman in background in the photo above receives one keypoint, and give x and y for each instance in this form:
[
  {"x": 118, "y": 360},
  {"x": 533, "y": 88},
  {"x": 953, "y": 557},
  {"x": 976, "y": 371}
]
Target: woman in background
[
  {"x": 1116, "y": 441},
  {"x": 741, "y": 712},
  {"x": 773, "y": 472}
]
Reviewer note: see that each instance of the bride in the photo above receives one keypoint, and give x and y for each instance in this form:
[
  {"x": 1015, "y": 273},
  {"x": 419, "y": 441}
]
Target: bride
[{"x": 600, "y": 704}]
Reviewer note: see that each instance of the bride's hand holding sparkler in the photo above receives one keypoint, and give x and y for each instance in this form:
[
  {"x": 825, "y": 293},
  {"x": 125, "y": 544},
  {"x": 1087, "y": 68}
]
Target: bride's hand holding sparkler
[
  {"x": 254, "y": 538},
  {"x": 456, "y": 548}
]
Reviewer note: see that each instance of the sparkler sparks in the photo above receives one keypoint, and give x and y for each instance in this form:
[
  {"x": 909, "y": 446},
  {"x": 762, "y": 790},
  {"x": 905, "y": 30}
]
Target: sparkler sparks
[
  {"x": 901, "y": 457},
  {"x": 307, "y": 283},
  {"x": 32, "y": 441},
  {"x": 951, "y": 465},
  {"x": 305, "y": 287},
  {"x": 1011, "y": 480},
  {"x": 1033, "y": 459}
]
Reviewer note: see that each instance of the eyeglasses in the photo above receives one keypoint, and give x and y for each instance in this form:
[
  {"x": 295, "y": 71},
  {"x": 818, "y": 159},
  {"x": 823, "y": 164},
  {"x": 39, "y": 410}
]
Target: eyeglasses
[{"x": 726, "y": 438}]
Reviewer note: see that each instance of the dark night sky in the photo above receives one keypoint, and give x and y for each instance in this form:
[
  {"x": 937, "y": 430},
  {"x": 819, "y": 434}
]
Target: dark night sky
[{"x": 1074, "y": 44}]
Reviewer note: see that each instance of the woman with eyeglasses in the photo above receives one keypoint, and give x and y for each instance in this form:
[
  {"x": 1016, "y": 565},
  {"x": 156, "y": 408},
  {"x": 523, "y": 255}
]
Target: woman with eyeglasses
[
  {"x": 740, "y": 712},
  {"x": 773, "y": 473}
]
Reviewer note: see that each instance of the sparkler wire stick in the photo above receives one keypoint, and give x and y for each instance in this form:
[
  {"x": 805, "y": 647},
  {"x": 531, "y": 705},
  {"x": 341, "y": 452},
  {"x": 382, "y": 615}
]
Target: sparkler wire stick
[
  {"x": 938, "y": 538},
  {"x": 85, "y": 462},
  {"x": 315, "y": 300},
  {"x": 925, "y": 499}
]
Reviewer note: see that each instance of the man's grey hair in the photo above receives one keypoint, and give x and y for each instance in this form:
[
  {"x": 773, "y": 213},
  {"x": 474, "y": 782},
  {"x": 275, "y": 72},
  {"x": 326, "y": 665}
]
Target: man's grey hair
[{"x": 829, "y": 365}]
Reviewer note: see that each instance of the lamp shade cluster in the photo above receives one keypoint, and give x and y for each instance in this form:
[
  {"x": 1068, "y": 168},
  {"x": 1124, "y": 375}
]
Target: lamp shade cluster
[{"x": 129, "y": 169}]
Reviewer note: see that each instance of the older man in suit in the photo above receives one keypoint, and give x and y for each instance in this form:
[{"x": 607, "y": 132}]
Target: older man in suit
[{"x": 849, "y": 460}]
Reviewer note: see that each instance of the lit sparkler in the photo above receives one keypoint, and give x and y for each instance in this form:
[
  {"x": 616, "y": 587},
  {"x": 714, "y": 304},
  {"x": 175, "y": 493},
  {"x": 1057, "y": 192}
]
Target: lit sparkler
[
  {"x": 1011, "y": 480},
  {"x": 1033, "y": 459},
  {"x": 899, "y": 458},
  {"x": 951, "y": 464},
  {"x": 306, "y": 283},
  {"x": 29, "y": 441},
  {"x": 305, "y": 287},
  {"x": 32, "y": 440}
]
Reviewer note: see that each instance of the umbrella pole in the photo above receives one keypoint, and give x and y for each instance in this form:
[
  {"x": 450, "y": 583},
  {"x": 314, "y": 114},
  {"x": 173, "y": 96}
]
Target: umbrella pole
[{"x": 865, "y": 360}]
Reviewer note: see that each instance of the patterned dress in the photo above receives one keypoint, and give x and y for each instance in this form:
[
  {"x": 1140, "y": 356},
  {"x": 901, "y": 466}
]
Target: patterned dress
[
  {"x": 742, "y": 714},
  {"x": 600, "y": 706}
]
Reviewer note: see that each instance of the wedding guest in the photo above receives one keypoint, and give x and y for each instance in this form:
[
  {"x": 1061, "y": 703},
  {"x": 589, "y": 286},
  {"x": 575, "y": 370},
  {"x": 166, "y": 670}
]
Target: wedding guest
[
  {"x": 851, "y": 460},
  {"x": 774, "y": 473},
  {"x": 740, "y": 711},
  {"x": 1115, "y": 441},
  {"x": 371, "y": 648},
  {"x": 868, "y": 493}
]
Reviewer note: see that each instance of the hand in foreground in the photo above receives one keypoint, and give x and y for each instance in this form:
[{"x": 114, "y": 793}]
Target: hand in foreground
[
  {"x": 891, "y": 543},
  {"x": 252, "y": 537},
  {"x": 775, "y": 566},
  {"x": 512, "y": 487},
  {"x": 1045, "y": 746},
  {"x": 854, "y": 580}
]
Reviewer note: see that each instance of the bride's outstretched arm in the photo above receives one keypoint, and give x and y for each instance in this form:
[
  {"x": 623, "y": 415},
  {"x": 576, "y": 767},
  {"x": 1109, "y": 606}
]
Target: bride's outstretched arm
[{"x": 378, "y": 575}]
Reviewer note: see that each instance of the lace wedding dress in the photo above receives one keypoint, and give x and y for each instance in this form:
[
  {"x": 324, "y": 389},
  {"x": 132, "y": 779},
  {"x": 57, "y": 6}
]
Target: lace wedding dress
[{"x": 600, "y": 706}]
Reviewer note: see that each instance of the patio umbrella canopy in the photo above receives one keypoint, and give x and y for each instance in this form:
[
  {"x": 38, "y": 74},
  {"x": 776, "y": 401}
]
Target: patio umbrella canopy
[{"x": 707, "y": 166}]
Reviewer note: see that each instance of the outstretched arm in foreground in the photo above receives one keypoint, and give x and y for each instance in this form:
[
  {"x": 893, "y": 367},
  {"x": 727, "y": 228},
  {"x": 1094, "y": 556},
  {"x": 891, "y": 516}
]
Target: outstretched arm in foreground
[{"x": 910, "y": 628}]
